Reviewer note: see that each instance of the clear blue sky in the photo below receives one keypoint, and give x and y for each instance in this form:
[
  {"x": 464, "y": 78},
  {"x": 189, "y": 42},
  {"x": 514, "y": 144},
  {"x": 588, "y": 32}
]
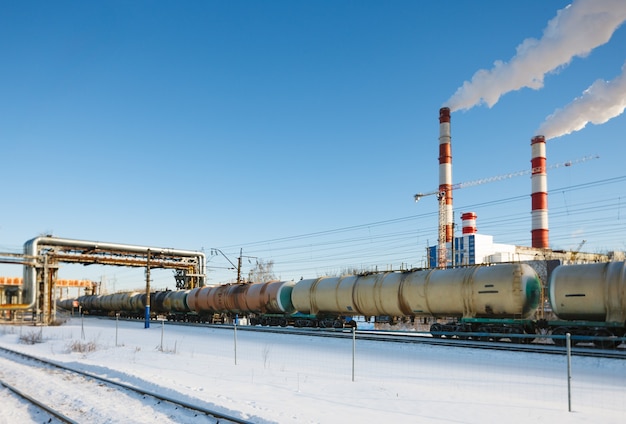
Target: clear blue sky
[{"x": 296, "y": 131}]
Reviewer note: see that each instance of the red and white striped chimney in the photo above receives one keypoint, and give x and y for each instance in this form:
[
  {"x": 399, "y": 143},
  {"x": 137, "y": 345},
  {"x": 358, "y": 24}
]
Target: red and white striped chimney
[
  {"x": 539, "y": 193},
  {"x": 445, "y": 167},
  {"x": 469, "y": 223}
]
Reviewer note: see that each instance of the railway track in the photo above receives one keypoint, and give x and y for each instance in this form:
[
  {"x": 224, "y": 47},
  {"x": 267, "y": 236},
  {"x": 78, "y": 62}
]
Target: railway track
[
  {"x": 76, "y": 395},
  {"x": 543, "y": 346},
  {"x": 48, "y": 411}
]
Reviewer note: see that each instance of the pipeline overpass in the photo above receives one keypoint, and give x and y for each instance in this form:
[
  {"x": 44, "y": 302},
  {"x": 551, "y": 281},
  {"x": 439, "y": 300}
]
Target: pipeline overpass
[{"x": 35, "y": 292}]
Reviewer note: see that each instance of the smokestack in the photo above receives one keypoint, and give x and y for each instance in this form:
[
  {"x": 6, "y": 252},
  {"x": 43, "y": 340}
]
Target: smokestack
[
  {"x": 539, "y": 193},
  {"x": 469, "y": 223},
  {"x": 445, "y": 167}
]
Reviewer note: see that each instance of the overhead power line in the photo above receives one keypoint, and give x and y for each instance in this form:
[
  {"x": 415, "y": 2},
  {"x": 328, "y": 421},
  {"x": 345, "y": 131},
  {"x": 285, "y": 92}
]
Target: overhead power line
[{"x": 403, "y": 240}]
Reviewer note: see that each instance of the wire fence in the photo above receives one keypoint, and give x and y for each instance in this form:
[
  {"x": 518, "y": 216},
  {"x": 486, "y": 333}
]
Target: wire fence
[
  {"x": 411, "y": 379},
  {"x": 503, "y": 379}
]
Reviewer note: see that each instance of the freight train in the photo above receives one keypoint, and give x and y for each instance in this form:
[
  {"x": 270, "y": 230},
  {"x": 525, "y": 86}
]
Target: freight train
[{"x": 485, "y": 302}]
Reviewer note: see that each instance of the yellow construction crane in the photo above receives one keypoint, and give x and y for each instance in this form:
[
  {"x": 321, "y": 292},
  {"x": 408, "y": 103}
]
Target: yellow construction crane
[
  {"x": 442, "y": 259},
  {"x": 575, "y": 252}
]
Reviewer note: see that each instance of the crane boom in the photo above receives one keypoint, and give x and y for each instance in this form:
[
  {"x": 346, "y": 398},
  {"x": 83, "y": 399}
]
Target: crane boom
[
  {"x": 457, "y": 186},
  {"x": 441, "y": 194}
]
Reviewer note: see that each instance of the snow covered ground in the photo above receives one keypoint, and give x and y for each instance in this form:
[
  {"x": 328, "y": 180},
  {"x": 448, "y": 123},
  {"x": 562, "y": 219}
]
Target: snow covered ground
[{"x": 269, "y": 378}]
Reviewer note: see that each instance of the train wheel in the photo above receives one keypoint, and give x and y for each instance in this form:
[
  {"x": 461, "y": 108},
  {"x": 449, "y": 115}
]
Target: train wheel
[
  {"x": 561, "y": 332},
  {"x": 526, "y": 340},
  {"x": 605, "y": 344},
  {"x": 521, "y": 339},
  {"x": 517, "y": 336},
  {"x": 483, "y": 338},
  {"x": 436, "y": 330}
]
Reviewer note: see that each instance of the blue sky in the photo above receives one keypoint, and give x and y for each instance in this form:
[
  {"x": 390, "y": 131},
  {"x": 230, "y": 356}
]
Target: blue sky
[{"x": 296, "y": 132}]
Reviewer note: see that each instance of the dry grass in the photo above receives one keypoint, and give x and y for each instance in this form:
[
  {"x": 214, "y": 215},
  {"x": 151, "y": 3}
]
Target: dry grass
[
  {"x": 81, "y": 347},
  {"x": 32, "y": 337}
]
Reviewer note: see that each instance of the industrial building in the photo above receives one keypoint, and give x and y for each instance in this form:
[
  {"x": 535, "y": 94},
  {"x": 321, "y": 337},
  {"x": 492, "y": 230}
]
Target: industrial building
[{"x": 472, "y": 248}]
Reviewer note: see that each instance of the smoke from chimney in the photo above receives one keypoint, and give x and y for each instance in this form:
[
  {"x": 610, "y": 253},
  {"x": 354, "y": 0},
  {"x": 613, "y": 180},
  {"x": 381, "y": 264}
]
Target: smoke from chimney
[
  {"x": 574, "y": 32},
  {"x": 600, "y": 102}
]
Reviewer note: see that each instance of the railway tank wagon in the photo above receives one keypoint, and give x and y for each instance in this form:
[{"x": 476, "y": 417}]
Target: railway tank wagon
[
  {"x": 589, "y": 300},
  {"x": 132, "y": 304},
  {"x": 479, "y": 296},
  {"x": 482, "y": 301},
  {"x": 176, "y": 301},
  {"x": 264, "y": 303},
  {"x": 270, "y": 303}
]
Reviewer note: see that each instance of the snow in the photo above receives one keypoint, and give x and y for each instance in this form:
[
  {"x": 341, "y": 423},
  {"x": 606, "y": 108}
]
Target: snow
[{"x": 277, "y": 378}]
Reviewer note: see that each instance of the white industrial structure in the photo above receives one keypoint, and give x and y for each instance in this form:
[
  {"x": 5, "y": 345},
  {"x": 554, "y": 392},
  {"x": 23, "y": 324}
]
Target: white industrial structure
[{"x": 472, "y": 248}]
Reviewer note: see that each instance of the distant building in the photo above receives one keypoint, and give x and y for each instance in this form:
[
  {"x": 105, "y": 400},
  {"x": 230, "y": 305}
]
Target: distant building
[{"x": 472, "y": 248}]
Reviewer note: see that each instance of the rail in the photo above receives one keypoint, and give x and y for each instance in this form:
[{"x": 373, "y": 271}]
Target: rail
[{"x": 186, "y": 405}]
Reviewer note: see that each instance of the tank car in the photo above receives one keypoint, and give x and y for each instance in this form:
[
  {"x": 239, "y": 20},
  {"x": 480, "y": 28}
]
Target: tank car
[
  {"x": 176, "y": 301},
  {"x": 590, "y": 301},
  {"x": 474, "y": 295},
  {"x": 67, "y": 304},
  {"x": 89, "y": 303},
  {"x": 265, "y": 303},
  {"x": 486, "y": 302},
  {"x": 132, "y": 304}
]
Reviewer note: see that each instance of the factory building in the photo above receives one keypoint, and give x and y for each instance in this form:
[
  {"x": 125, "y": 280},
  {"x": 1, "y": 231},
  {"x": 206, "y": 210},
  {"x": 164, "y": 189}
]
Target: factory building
[{"x": 472, "y": 248}]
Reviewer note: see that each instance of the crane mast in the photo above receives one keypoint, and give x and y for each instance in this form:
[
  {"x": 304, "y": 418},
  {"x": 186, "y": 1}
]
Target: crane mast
[{"x": 442, "y": 253}]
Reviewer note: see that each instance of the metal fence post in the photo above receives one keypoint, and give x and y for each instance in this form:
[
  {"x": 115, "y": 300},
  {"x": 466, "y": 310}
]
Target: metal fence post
[
  {"x": 353, "y": 349},
  {"x": 162, "y": 330},
  {"x": 235, "y": 335},
  {"x": 569, "y": 372}
]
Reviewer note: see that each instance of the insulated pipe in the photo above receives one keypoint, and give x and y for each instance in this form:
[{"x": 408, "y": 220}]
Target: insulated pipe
[
  {"x": 29, "y": 289},
  {"x": 31, "y": 249},
  {"x": 539, "y": 193},
  {"x": 445, "y": 167}
]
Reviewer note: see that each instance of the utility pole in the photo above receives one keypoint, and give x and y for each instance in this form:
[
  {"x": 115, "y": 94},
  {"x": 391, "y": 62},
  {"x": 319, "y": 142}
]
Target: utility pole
[
  {"x": 239, "y": 266},
  {"x": 147, "y": 323}
]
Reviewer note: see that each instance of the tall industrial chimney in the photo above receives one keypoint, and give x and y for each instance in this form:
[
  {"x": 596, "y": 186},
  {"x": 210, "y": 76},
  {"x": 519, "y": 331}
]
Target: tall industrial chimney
[
  {"x": 539, "y": 193},
  {"x": 445, "y": 168},
  {"x": 469, "y": 223}
]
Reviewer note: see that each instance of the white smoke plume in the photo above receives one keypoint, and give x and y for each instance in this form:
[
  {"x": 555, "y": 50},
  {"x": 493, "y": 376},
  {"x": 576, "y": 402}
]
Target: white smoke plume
[
  {"x": 600, "y": 102},
  {"x": 574, "y": 32}
]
